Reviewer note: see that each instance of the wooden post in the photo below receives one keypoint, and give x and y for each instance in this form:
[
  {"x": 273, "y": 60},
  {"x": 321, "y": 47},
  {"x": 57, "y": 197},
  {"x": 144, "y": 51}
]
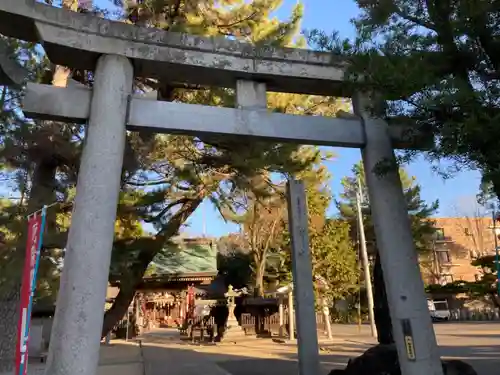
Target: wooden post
[
  {"x": 291, "y": 317},
  {"x": 303, "y": 279},
  {"x": 281, "y": 315}
]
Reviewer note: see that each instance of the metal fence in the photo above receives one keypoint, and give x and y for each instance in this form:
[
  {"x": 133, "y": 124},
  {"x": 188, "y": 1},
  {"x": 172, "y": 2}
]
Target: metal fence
[
  {"x": 486, "y": 314},
  {"x": 271, "y": 323}
]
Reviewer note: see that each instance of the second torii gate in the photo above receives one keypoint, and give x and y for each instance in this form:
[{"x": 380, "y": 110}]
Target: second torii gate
[{"x": 117, "y": 53}]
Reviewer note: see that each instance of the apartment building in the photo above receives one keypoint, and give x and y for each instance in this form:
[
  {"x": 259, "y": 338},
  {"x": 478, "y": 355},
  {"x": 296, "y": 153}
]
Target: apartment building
[{"x": 458, "y": 241}]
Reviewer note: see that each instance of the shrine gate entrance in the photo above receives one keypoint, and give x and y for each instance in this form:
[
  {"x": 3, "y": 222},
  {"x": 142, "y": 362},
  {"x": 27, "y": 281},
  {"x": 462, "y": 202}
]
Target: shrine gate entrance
[{"x": 117, "y": 53}]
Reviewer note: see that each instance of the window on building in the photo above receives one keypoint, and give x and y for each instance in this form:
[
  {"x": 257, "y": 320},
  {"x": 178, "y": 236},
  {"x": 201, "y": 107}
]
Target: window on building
[
  {"x": 467, "y": 232},
  {"x": 444, "y": 256},
  {"x": 439, "y": 234}
]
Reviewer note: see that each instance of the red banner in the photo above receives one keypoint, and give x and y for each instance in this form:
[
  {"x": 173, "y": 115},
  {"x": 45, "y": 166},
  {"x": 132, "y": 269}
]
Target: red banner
[{"x": 27, "y": 288}]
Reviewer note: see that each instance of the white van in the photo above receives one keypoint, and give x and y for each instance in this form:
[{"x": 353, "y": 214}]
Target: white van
[{"x": 439, "y": 309}]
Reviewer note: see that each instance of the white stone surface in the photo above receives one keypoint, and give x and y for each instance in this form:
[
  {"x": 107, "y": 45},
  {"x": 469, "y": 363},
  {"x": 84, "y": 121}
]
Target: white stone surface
[
  {"x": 398, "y": 256},
  {"x": 76, "y": 40},
  {"x": 47, "y": 102},
  {"x": 291, "y": 315},
  {"x": 302, "y": 279},
  {"x": 76, "y": 332},
  {"x": 73, "y": 104},
  {"x": 194, "y": 119}
]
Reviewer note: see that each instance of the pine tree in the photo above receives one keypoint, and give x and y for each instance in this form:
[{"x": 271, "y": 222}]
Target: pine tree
[
  {"x": 488, "y": 284},
  {"x": 39, "y": 161},
  {"x": 332, "y": 254},
  {"x": 199, "y": 165},
  {"x": 436, "y": 62},
  {"x": 334, "y": 260},
  {"x": 165, "y": 178},
  {"x": 28, "y": 157},
  {"x": 234, "y": 263},
  {"x": 422, "y": 227},
  {"x": 182, "y": 171},
  {"x": 33, "y": 159},
  {"x": 178, "y": 172},
  {"x": 218, "y": 162},
  {"x": 485, "y": 286},
  {"x": 264, "y": 222}
]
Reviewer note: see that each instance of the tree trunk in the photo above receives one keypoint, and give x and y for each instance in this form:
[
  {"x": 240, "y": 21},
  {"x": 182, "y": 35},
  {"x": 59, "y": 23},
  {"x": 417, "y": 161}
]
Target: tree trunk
[
  {"x": 41, "y": 193},
  {"x": 259, "y": 278},
  {"x": 381, "y": 305},
  {"x": 9, "y": 310},
  {"x": 258, "y": 291},
  {"x": 118, "y": 309},
  {"x": 128, "y": 287},
  {"x": 146, "y": 255}
]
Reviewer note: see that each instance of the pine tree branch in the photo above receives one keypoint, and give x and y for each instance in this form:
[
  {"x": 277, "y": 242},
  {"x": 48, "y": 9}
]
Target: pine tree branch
[
  {"x": 246, "y": 19},
  {"x": 147, "y": 183}
]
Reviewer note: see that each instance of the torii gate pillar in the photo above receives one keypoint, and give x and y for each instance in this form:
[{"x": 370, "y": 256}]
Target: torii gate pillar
[
  {"x": 411, "y": 322},
  {"x": 78, "y": 40},
  {"x": 78, "y": 320}
]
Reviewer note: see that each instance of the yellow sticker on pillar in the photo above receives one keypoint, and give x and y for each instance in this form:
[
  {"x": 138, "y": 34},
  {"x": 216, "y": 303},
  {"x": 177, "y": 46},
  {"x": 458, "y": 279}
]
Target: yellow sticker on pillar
[
  {"x": 410, "y": 349},
  {"x": 408, "y": 336}
]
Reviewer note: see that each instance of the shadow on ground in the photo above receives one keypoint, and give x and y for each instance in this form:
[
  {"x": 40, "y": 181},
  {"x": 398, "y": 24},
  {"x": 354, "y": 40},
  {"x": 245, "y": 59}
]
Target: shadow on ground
[{"x": 186, "y": 359}]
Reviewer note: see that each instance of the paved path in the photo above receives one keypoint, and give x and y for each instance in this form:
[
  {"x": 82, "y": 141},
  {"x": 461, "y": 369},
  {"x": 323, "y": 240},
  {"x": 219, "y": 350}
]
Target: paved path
[
  {"x": 119, "y": 358},
  {"x": 476, "y": 343}
]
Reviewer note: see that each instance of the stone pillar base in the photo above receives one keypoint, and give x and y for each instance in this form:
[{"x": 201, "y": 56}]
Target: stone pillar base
[{"x": 233, "y": 332}]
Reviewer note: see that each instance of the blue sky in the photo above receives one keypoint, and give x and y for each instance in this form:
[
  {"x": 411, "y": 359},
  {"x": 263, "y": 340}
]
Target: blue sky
[{"x": 455, "y": 195}]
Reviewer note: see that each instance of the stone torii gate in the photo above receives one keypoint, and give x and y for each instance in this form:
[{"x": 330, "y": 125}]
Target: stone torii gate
[{"x": 117, "y": 53}]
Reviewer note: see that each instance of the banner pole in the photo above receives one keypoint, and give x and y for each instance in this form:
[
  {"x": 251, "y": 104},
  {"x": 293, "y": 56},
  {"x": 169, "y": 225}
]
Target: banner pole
[
  {"x": 44, "y": 208},
  {"x": 37, "y": 262},
  {"x": 32, "y": 261}
]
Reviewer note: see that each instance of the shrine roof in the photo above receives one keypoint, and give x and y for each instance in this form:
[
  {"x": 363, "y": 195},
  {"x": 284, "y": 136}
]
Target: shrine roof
[
  {"x": 186, "y": 256},
  {"x": 183, "y": 260}
]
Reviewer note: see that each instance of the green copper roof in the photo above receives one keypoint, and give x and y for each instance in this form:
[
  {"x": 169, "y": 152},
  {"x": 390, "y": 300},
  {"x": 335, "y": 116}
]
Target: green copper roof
[{"x": 187, "y": 256}]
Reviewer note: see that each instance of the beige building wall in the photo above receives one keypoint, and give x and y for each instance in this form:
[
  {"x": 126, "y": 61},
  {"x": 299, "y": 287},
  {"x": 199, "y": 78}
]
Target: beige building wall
[{"x": 458, "y": 241}]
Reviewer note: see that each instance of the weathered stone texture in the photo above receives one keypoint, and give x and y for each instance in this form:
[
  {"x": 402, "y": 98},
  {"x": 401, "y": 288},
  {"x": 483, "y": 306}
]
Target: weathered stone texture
[
  {"x": 76, "y": 40},
  {"x": 11, "y": 73},
  {"x": 9, "y": 311}
]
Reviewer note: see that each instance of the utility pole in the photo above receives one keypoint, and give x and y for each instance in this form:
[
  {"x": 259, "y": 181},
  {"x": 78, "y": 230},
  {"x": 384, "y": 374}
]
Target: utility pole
[{"x": 364, "y": 257}]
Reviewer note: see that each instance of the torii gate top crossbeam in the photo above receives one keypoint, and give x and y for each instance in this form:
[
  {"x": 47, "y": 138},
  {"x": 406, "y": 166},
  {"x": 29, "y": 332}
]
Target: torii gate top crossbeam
[{"x": 76, "y": 40}]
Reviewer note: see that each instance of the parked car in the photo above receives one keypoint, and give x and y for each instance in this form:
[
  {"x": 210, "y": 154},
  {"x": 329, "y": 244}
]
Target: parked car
[{"x": 439, "y": 310}]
